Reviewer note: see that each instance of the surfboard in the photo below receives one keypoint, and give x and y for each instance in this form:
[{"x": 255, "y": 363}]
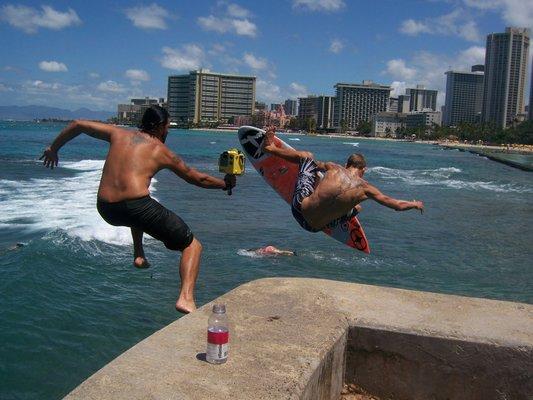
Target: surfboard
[{"x": 281, "y": 175}]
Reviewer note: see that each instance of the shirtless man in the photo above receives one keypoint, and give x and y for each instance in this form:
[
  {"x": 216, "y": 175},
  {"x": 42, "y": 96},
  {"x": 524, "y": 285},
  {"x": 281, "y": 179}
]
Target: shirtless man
[
  {"x": 317, "y": 201},
  {"x": 134, "y": 157}
]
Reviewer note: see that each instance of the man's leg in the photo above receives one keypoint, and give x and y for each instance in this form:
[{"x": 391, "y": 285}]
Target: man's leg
[
  {"x": 189, "y": 266},
  {"x": 139, "y": 259}
]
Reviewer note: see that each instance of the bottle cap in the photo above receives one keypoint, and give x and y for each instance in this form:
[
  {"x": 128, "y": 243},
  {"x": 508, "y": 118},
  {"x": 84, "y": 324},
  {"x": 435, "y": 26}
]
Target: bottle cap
[{"x": 219, "y": 308}]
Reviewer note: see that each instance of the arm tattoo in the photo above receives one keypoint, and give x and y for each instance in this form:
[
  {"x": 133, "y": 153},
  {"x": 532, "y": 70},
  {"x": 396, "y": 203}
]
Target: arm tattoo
[{"x": 178, "y": 160}]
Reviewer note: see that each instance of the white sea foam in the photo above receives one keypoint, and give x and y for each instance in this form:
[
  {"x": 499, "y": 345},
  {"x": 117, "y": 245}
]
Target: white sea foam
[
  {"x": 354, "y": 144},
  {"x": 295, "y": 139},
  {"x": 248, "y": 253},
  {"x": 61, "y": 203},
  {"x": 443, "y": 177}
]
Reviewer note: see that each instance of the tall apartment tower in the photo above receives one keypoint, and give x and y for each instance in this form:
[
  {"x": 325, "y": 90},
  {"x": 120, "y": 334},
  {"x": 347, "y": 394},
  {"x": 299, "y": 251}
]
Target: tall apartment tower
[
  {"x": 506, "y": 59},
  {"x": 319, "y": 108},
  {"x": 326, "y": 107},
  {"x": 357, "y": 102},
  {"x": 464, "y": 97},
  {"x": 291, "y": 107},
  {"x": 204, "y": 96},
  {"x": 421, "y": 99},
  {"x": 531, "y": 98}
]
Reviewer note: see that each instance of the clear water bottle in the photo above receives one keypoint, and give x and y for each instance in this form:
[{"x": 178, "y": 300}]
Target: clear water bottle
[{"x": 217, "y": 336}]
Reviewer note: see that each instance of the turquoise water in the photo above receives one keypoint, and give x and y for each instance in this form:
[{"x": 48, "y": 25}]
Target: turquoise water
[{"x": 70, "y": 300}]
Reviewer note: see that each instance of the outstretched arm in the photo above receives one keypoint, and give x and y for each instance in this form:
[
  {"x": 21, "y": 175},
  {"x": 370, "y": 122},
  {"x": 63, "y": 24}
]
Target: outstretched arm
[
  {"x": 398, "y": 205},
  {"x": 95, "y": 129},
  {"x": 195, "y": 177},
  {"x": 291, "y": 155}
]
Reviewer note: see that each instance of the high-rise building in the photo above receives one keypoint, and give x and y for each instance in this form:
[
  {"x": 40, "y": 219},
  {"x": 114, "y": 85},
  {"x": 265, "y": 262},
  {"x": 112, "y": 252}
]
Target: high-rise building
[
  {"x": 464, "y": 97},
  {"x": 318, "y": 108},
  {"x": 274, "y": 106},
  {"x": 132, "y": 113},
  {"x": 326, "y": 106},
  {"x": 421, "y": 99},
  {"x": 530, "y": 105},
  {"x": 506, "y": 58},
  {"x": 308, "y": 107},
  {"x": 204, "y": 96},
  {"x": 393, "y": 105},
  {"x": 357, "y": 102},
  {"x": 291, "y": 107},
  {"x": 403, "y": 103}
]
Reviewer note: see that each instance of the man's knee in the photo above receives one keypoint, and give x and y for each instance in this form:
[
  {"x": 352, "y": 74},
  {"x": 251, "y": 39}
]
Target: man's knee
[{"x": 195, "y": 245}]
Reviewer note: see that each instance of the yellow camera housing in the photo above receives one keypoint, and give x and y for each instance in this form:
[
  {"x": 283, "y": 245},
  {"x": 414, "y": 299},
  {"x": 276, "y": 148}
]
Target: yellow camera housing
[{"x": 231, "y": 162}]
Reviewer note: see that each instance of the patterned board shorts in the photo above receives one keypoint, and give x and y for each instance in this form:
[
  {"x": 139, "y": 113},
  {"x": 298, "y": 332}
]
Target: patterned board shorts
[{"x": 305, "y": 186}]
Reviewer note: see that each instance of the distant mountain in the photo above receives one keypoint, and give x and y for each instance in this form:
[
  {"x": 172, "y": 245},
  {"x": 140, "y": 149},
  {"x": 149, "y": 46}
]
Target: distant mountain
[{"x": 28, "y": 113}]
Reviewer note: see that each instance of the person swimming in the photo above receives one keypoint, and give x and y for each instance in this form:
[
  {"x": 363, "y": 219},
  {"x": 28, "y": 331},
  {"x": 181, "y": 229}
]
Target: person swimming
[{"x": 272, "y": 251}]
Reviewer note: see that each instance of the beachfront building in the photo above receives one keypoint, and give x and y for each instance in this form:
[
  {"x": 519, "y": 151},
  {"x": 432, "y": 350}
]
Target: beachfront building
[
  {"x": 131, "y": 114},
  {"x": 464, "y": 97},
  {"x": 203, "y": 97},
  {"x": 274, "y": 106},
  {"x": 387, "y": 124},
  {"x": 419, "y": 119},
  {"x": 421, "y": 99},
  {"x": 358, "y": 102},
  {"x": 506, "y": 58},
  {"x": 320, "y": 109},
  {"x": 403, "y": 103},
  {"x": 393, "y": 105},
  {"x": 530, "y": 106},
  {"x": 291, "y": 107}
]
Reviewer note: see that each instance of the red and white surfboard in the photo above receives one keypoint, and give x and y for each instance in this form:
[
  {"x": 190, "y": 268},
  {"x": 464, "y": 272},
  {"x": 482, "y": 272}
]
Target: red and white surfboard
[{"x": 281, "y": 175}]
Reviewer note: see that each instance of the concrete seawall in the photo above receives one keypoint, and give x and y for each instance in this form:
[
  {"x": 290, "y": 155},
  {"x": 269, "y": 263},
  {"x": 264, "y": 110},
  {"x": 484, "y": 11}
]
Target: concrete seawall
[{"x": 303, "y": 338}]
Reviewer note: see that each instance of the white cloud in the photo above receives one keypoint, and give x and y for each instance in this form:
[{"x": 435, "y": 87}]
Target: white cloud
[
  {"x": 30, "y": 19},
  {"x": 242, "y": 27},
  {"x": 111, "y": 87},
  {"x": 148, "y": 17},
  {"x": 336, "y": 46},
  {"x": 319, "y": 5},
  {"x": 297, "y": 90},
  {"x": 255, "y": 62},
  {"x": 38, "y": 85},
  {"x": 514, "y": 12},
  {"x": 472, "y": 56},
  {"x": 94, "y": 75},
  {"x": 189, "y": 57},
  {"x": 428, "y": 69},
  {"x": 137, "y": 75},
  {"x": 455, "y": 23},
  {"x": 398, "y": 70},
  {"x": 268, "y": 91},
  {"x": 53, "y": 66},
  {"x": 232, "y": 19},
  {"x": 413, "y": 28},
  {"x": 234, "y": 10}
]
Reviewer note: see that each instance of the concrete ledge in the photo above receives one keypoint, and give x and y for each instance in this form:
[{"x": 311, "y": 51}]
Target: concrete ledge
[{"x": 303, "y": 338}]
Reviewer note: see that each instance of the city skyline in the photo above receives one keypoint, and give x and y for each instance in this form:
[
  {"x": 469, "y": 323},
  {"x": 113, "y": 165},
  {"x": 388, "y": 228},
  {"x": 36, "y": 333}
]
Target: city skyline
[{"x": 97, "y": 55}]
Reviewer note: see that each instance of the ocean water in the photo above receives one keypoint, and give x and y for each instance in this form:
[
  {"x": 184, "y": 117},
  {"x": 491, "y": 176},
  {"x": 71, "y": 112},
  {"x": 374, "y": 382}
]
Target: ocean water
[{"x": 71, "y": 301}]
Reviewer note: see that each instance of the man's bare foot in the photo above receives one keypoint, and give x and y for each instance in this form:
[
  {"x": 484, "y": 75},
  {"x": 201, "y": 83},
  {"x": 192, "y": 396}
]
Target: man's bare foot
[
  {"x": 185, "y": 306},
  {"x": 141, "y": 262}
]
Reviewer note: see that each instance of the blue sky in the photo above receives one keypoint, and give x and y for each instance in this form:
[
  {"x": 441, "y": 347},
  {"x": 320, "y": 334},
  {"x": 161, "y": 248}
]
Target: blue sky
[{"x": 73, "y": 54}]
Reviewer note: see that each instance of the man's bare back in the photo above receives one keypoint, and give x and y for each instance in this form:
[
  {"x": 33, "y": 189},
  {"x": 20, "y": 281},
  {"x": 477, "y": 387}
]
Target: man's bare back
[
  {"x": 336, "y": 193},
  {"x": 134, "y": 157}
]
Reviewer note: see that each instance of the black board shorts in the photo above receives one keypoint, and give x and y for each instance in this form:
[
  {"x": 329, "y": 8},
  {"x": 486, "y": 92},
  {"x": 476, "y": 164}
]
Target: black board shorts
[
  {"x": 304, "y": 187},
  {"x": 147, "y": 215}
]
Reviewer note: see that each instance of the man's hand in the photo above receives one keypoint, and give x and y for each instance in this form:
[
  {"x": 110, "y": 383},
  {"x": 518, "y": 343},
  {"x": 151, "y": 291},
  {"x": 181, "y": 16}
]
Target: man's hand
[
  {"x": 269, "y": 135},
  {"x": 50, "y": 158},
  {"x": 419, "y": 206},
  {"x": 231, "y": 181}
]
